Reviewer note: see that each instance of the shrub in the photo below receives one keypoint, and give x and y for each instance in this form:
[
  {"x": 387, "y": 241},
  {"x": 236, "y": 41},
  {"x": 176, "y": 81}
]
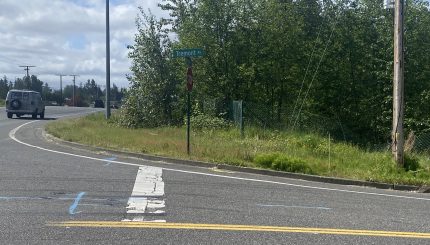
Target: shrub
[
  {"x": 411, "y": 163},
  {"x": 291, "y": 164},
  {"x": 201, "y": 121},
  {"x": 265, "y": 160}
]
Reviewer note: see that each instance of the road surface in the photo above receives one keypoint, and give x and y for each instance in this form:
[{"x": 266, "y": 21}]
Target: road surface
[{"x": 53, "y": 194}]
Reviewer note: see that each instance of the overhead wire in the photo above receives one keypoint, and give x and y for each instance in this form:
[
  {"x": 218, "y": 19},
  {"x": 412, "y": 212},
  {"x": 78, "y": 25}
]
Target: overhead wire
[
  {"x": 306, "y": 73},
  {"x": 313, "y": 78}
]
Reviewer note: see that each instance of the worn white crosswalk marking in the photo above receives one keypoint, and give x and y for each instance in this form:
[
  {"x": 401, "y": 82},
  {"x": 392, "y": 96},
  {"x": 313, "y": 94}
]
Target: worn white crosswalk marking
[{"x": 147, "y": 197}]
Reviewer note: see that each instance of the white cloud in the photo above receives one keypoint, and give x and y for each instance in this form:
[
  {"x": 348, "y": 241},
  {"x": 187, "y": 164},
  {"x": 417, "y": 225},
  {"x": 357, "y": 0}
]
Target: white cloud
[{"x": 68, "y": 37}]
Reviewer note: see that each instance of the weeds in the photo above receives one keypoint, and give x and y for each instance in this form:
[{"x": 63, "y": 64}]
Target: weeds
[{"x": 285, "y": 151}]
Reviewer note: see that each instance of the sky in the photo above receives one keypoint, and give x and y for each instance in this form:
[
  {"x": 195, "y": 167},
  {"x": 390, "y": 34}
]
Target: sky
[{"x": 68, "y": 37}]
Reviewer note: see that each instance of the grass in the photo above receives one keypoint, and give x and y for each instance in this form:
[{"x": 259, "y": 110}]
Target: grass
[
  {"x": 285, "y": 151},
  {"x": 2, "y": 102}
]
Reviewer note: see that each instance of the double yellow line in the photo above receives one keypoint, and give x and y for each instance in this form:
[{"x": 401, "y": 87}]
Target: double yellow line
[{"x": 223, "y": 227}]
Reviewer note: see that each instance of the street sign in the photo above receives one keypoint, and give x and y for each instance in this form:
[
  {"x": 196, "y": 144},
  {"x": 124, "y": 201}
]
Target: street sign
[
  {"x": 187, "y": 54},
  {"x": 195, "y": 52}
]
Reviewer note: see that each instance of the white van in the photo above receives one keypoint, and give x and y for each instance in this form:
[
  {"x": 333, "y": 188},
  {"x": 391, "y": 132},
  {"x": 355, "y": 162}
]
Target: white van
[{"x": 21, "y": 102}]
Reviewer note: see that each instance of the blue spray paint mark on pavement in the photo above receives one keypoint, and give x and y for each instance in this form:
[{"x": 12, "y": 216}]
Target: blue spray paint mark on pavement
[
  {"x": 75, "y": 203},
  {"x": 109, "y": 159}
]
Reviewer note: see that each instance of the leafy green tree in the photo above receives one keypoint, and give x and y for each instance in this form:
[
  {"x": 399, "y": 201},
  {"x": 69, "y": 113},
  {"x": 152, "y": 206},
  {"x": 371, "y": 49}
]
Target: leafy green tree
[
  {"x": 288, "y": 60},
  {"x": 152, "y": 88},
  {"x": 46, "y": 92},
  {"x": 4, "y": 87}
]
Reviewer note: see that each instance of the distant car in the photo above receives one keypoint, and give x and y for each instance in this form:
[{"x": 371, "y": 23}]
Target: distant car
[
  {"x": 99, "y": 104},
  {"x": 22, "y": 102}
]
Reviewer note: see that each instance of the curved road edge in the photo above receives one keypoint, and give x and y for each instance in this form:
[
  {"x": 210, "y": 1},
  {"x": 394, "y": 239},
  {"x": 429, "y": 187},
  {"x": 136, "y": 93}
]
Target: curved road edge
[{"x": 315, "y": 178}]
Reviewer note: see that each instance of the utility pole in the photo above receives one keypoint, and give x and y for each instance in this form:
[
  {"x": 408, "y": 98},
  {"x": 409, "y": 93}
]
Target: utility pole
[
  {"x": 107, "y": 62},
  {"x": 74, "y": 78},
  {"x": 27, "y": 68},
  {"x": 397, "y": 135},
  {"x": 61, "y": 88}
]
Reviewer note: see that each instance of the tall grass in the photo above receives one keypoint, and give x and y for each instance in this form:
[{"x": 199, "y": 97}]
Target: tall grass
[{"x": 285, "y": 151}]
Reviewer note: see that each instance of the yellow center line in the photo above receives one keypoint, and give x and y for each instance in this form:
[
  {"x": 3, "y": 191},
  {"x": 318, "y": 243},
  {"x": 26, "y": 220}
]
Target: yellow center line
[{"x": 191, "y": 226}]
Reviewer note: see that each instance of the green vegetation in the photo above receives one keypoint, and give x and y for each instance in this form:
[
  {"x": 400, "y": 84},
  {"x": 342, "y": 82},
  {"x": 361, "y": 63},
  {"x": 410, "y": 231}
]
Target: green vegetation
[
  {"x": 286, "y": 60},
  {"x": 2, "y": 102},
  {"x": 285, "y": 151}
]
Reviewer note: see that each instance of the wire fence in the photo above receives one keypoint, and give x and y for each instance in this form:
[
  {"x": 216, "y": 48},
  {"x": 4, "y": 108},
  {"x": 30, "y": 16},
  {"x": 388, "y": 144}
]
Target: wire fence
[
  {"x": 419, "y": 144},
  {"x": 245, "y": 115},
  {"x": 248, "y": 114}
]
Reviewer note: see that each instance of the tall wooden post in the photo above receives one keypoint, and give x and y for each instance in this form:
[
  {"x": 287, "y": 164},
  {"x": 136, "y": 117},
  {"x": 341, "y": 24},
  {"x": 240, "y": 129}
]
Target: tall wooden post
[{"x": 398, "y": 85}]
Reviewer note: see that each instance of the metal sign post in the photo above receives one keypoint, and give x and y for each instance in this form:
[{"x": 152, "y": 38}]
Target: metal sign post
[
  {"x": 187, "y": 54},
  {"x": 189, "y": 88}
]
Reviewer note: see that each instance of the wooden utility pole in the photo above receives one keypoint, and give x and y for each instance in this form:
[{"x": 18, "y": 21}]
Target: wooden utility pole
[
  {"x": 27, "y": 78},
  {"x": 61, "y": 88},
  {"x": 397, "y": 135},
  {"x": 74, "y": 79},
  {"x": 27, "y": 68}
]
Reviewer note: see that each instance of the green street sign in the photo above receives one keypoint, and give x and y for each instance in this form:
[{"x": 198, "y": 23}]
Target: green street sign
[{"x": 195, "y": 52}]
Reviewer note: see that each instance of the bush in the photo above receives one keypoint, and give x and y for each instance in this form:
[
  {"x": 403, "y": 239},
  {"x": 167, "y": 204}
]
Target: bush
[
  {"x": 265, "y": 160},
  {"x": 201, "y": 121},
  {"x": 411, "y": 163},
  {"x": 141, "y": 111},
  {"x": 291, "y": 164}
]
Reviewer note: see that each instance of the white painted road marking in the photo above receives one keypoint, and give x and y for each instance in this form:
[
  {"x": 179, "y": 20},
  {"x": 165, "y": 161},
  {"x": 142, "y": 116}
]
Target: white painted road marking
[
  {"x": 13, "y": 132},
  {"x": 147, "y": 197},
  {"x": 286, "y": 206}
]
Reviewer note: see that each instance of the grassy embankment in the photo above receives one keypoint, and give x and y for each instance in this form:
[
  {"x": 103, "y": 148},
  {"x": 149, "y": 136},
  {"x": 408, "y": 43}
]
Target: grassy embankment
[
  {"x": 294, "y": 152},
  {"x": 2, "y": 102}
]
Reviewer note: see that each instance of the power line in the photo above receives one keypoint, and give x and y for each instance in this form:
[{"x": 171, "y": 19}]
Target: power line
[
  {"x": 313, "y": 78},
  {"x": 306, "y": 73}
]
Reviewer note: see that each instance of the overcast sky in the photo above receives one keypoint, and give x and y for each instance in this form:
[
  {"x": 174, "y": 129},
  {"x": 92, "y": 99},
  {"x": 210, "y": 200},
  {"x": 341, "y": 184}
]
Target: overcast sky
[{"x": 67, "y": 37}]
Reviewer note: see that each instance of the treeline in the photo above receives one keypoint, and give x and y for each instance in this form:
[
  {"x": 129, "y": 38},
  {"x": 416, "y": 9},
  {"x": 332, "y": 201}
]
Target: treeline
[
  {"x": 293, "y": 59},
  {"x": 85, "y": 93}
]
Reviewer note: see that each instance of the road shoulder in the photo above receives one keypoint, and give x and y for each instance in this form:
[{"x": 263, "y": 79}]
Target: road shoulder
[{"x": 220, "y": 166}]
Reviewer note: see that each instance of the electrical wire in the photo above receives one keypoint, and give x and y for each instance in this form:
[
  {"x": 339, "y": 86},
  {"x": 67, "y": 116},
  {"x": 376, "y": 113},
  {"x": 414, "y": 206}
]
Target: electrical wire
[
  {"x": 306, "y": 73},
  {"x": 313, "y": 78}
]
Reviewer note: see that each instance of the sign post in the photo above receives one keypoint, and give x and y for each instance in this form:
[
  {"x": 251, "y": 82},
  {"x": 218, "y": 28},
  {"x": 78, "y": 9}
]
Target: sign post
[
  {"x": 187, "y": 54},
  {"x": 189, "y": 88}
]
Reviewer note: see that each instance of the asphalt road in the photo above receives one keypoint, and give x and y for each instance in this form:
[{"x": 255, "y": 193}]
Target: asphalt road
[{"x": 53, "y": 194}]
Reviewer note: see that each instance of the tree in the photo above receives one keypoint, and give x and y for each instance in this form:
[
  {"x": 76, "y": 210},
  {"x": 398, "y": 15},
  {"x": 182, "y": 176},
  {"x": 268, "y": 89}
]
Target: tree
[
  {"x": 36, "y": 84},
  {"x": 149, "y": 101},
  {"x": 4, "y": 87},
  {"x": 294, "y": 62},
  {"x": 46, "y": 92}
]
